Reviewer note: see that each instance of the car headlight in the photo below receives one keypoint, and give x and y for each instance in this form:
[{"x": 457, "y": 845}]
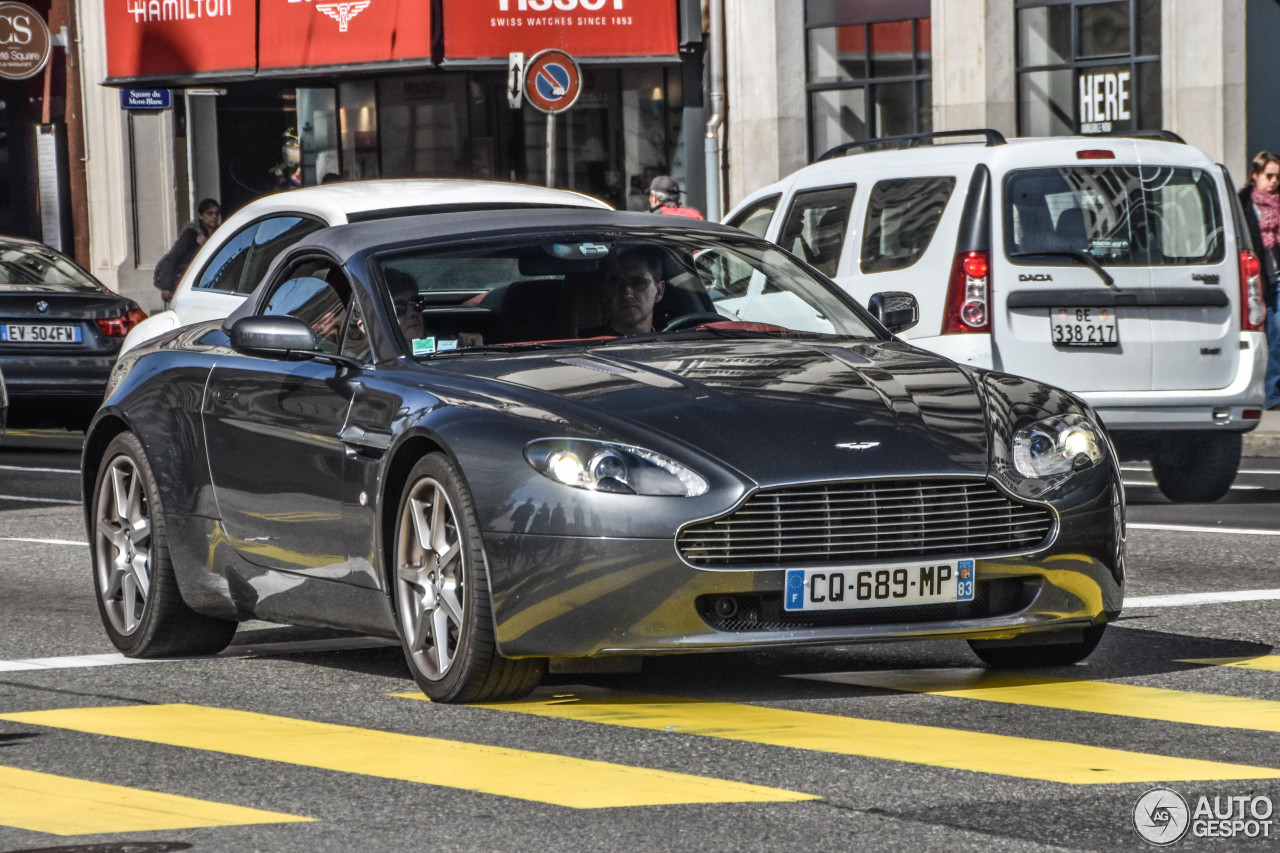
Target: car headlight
[
  {"x": 1057, "y": 445},
  {"x": 617, "y": 468}
]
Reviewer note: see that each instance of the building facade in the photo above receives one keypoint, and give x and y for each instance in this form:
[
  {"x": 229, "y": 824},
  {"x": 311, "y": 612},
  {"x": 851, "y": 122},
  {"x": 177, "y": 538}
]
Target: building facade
[{"x": 268, "y": 94}]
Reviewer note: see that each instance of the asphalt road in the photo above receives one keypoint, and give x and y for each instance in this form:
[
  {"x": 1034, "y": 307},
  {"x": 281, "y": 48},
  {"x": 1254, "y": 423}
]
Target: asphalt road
[{"x": 299, "y": 739}]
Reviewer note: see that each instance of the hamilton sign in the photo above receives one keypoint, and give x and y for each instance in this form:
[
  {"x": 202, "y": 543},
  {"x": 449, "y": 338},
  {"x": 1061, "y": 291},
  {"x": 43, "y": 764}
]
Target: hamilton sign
[{"x": 24, "y": 41}]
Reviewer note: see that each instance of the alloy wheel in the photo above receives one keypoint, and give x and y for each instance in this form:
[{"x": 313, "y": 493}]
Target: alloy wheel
[
  {"x": 122, "y": 550},
  {"x": 430, "y": 578}
]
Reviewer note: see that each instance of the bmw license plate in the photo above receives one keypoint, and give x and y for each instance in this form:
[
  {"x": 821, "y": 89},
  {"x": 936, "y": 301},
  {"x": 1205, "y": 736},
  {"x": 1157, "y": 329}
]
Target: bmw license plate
[
  {"x": 41, "y": 333},
  {"x": 1084, "y": 327},
  {"x": 940, "y": 582}
]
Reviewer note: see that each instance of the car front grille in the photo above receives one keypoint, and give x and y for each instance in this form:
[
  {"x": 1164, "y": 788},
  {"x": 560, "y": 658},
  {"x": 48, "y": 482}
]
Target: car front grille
[{"x": 865, "y": 521}]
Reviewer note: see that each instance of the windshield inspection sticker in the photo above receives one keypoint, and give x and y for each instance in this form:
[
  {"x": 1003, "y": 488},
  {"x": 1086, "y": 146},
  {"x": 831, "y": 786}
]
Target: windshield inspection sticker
[
  {"x": 424, "y": 346},
  {"x": 446, "y": 345}
]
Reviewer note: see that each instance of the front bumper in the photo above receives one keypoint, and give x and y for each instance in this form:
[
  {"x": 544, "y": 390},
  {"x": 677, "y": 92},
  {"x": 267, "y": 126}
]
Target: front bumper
[{"x": 572, "y": 597}]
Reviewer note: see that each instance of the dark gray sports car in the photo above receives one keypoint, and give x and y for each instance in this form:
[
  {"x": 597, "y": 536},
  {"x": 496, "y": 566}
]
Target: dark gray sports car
[{"x": 515, "y": 437}]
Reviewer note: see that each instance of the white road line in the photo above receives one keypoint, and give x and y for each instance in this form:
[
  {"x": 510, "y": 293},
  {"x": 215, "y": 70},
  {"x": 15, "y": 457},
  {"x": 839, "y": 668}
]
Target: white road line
[
  {"x": 40, "y": 470},
  {"x": 43, "y": 541},
  {"x": 1191, "y": 528},
  {"x": 1191, "y": 599},
  {"x": 337, "y": 644},
  {"x": 38, "y": 500}
]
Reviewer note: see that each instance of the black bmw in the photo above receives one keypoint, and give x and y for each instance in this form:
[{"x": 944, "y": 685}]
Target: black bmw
[
  {"x": 60, "y": 330},
  {"x": 508, "y": 438}
]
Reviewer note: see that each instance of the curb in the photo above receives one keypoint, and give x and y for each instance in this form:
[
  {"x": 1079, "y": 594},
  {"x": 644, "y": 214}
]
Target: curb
[{"x": 1260, "y": 443}]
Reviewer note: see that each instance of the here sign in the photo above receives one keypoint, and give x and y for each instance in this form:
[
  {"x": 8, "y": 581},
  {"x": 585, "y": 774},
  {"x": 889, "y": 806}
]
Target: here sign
[{"x": 1105, "y": 99}]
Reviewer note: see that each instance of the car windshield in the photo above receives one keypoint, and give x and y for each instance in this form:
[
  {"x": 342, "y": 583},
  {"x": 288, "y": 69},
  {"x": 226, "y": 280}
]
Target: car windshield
[
  {"x": 602, "y": 288},
  {"x": 31, "y": 267}
]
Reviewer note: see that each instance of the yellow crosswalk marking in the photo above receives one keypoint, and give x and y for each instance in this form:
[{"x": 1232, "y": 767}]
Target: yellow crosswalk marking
[
  {"x": 59, "y": 805},
  {"x": 540, "y": 777},
  {"x": 1266, "y": 663},
  {"x": 1095, "y": 697},
  {"x": 1027, "y": 758}
]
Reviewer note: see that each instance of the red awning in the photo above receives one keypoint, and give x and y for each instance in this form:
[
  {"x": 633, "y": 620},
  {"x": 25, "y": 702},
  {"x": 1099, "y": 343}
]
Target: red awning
[
  {"x": 149, "y": 39},
  {"x": 303, "y": 35},
  {"x": 207, "y": 40}
]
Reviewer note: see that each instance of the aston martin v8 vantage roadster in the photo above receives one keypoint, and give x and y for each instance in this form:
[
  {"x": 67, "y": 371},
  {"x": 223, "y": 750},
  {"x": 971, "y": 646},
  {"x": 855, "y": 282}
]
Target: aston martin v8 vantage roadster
[{"x": 514, "y": 437}]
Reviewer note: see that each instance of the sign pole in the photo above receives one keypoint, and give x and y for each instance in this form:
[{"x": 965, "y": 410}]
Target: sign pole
[{"x": 551, "y": 150}]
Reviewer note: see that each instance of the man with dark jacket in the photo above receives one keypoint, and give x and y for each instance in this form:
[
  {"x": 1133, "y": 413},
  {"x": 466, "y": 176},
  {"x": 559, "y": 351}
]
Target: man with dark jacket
[{"x": 169, "y": 269}]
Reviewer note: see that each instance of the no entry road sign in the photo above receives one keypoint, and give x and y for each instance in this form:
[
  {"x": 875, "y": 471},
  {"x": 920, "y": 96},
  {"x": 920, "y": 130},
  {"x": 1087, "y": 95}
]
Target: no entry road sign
[{"x": 552, "y": 81}]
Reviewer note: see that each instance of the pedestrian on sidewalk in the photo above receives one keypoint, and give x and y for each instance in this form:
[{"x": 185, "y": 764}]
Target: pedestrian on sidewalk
[
  {"x": 664, "y": 197},
  {"x": 169, "y": 269},
  {"x": 1261, "y": 203}
]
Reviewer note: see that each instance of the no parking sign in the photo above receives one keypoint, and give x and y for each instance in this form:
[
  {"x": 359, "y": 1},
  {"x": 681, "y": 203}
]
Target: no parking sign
[{"x": 552, "y": 81}]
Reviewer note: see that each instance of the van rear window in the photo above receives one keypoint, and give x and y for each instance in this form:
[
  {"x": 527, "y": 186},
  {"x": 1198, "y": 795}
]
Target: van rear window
[
  {"x": 1121, "y": 215},
  {"x": 902, "y": 215}
]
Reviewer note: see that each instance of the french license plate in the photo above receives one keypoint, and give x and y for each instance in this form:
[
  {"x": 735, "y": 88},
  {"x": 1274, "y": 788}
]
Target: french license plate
[
  {"x": 942, "y": 582},
  {"x": 40, "y": 333},
  {"x": 1084, "y": 327}
]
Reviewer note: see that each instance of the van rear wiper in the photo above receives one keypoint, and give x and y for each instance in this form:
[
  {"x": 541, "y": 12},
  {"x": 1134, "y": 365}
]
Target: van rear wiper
[{"x": 1081, "y": 257}]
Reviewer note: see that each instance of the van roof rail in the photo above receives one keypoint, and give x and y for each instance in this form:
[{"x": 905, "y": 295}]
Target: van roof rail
[
  {"x": 1156, "y": 134},
  {"x": 910, "y": 140}
]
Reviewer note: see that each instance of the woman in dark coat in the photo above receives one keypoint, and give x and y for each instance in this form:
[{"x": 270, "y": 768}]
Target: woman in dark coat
[{"x": 170, "y": 268}]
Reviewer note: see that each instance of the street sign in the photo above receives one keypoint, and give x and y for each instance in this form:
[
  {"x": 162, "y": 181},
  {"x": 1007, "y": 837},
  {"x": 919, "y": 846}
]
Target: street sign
[
  {"x": 146, "y": 99},
  {"x": 515, "y": 79},
  {"x": 552, "y": 81}
]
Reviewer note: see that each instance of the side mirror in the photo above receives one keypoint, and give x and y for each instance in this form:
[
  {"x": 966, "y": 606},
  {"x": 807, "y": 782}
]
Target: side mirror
[
  {"x": 279, "y": 336},
  {"x": 896, "y": 310}
]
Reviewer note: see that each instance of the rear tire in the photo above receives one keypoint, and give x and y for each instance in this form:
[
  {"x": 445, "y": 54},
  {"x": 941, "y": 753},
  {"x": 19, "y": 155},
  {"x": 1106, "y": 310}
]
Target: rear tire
[
  {"x": 1035, "y": 656},
  {"x": 137, "y": 592},
  {"x": 442, "y": 594},
  {"x": 1197, "y": 467}
]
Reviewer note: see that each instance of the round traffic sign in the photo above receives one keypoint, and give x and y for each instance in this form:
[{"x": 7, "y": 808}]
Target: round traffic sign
[{"x": 552, "y": 81}]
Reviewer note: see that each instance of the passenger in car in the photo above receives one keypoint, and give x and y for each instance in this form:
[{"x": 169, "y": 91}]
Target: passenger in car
[{"x": 404, "y": 296}]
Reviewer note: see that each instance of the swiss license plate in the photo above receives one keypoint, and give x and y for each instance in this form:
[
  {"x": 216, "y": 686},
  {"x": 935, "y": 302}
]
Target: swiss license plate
[
  {"x": 39, "y": 333},
  {"x": 1084, "y": 327},
  {"x": 940, "y": 582}
]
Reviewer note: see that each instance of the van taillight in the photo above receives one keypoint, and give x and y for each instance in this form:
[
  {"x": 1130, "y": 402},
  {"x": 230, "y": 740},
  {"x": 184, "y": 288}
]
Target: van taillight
[
  {"x": 1253, "y": 311},
  {"x": 968, "y": 295}
]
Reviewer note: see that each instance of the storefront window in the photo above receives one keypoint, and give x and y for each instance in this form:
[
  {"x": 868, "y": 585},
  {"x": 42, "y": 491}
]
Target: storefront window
[
  {"x": 1086, "y": 66},
  {"x": 358, "y": 121},
  {"x": 867, "y": 78}
]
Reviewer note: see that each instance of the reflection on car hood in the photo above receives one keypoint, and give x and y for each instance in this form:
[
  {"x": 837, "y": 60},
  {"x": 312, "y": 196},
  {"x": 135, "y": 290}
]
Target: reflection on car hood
[{"x": 777, "y": 411}]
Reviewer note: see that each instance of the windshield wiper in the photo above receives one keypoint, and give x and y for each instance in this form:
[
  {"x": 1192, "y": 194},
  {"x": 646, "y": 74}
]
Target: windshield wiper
[{"x": 1082, "y": 257}]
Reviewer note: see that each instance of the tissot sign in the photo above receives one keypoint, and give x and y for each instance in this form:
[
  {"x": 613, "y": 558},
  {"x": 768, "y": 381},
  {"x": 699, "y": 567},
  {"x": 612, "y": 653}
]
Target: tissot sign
[{"x": 487, "y": 29}]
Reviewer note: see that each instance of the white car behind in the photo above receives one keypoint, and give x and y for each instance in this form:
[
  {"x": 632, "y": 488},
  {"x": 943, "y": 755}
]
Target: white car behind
[{"x": 234, "y": 258}]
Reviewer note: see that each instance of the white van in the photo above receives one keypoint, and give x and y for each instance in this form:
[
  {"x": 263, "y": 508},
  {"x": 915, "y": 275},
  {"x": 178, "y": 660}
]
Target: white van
[{"x": 1117, "y": 268}]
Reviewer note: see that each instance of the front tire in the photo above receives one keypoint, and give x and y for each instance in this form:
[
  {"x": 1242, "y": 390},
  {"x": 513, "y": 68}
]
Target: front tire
[
  {"x": 1197, "y": 467},
  {"x": 442, "y": 594},
  {"x": 137, "y": 592},
  {"x": 1035, "y": 656}
]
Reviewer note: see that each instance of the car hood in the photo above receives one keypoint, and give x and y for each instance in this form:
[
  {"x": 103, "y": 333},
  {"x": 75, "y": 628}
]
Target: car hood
[{"x": 776, "y": 411}]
